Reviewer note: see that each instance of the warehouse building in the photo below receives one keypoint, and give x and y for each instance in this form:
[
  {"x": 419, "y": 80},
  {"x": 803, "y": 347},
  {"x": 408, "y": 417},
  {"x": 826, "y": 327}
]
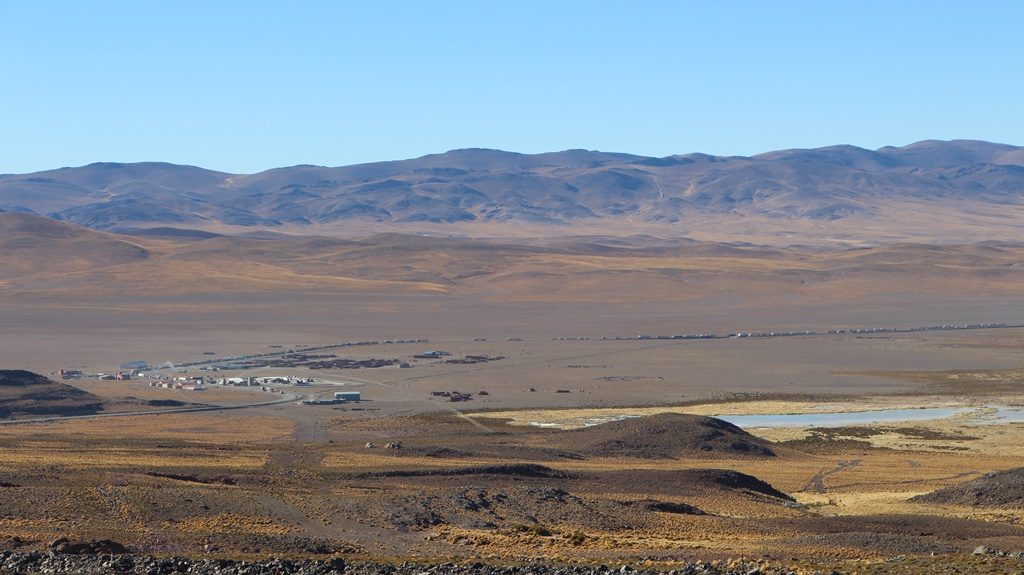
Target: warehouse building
[{"x": 346, "y": 396}]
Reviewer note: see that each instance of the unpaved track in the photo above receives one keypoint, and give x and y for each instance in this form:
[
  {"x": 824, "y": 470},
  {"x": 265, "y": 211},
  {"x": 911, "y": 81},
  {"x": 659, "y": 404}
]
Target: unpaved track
[{"x": 817, "y": 483}]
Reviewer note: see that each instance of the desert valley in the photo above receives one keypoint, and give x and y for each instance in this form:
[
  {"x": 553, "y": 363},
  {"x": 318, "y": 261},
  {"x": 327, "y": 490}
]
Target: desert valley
[{"x": 803, "y": 361}]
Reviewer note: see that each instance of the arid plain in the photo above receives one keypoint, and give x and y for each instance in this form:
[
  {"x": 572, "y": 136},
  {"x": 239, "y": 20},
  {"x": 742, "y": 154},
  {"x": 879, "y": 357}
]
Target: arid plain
[{"x": 574, "y": 452}]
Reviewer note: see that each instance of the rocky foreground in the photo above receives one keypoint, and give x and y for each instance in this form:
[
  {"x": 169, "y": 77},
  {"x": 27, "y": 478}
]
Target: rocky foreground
[
  {"x": 982, "y": 560},
  {"x": 37, "y": 562}
]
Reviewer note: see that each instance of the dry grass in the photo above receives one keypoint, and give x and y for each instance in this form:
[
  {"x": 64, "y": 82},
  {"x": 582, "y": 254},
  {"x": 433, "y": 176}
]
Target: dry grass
[
  {"x": 516, "y": 270},
  {"x": 231, "y": 523},
  {"x": 99, "y": 484},
  {"x": 989, "y": 381},
  {"x": 217, "y": 428},
  {"x": 70, "y": 458},
  {"x": 189, "y": 440}
]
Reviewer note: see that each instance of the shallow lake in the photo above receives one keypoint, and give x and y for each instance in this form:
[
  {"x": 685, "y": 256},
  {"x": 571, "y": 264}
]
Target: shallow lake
[
  {"x": 990, "y": 414},
  {"x": 840, "y": 419},
  {"x": 986, "y": 415}
]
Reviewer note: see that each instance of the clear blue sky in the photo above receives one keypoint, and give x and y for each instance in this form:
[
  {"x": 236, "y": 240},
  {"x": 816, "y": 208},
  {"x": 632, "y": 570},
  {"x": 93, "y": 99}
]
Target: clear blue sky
[{"x": 248, "y": 85}]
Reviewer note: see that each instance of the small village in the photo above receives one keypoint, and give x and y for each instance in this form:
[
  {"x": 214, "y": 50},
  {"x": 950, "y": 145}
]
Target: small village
[
  {"x": 180, "y": 380},
  {"x": 188, "y": 382}
]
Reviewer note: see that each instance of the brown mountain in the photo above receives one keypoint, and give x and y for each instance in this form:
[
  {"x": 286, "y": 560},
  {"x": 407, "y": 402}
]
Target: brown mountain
[{"x": 563, "y": 188}]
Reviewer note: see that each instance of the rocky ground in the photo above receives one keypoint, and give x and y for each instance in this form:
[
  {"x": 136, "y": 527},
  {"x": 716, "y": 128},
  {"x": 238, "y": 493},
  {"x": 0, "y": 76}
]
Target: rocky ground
[
  {"x": 1003, "y": 489},
  {"x": 36, "y": 562},
  {"x": 39, "y": 562},
  {"x": 661, "y": 491}
]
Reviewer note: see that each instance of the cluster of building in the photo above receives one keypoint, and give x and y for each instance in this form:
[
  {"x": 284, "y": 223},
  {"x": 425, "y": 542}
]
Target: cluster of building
[
  {"x": 445, "y": 357},
  {"x": 184, "y": 383},
  {"x": 744, "y": 334},
  {"x": 250, "y": 381},
  {"x": 320, "y": 361},
  {"x": 683, "y": 336},
  {"x": 245, "y": 359},
  {"x": 921, "y": 328},
  {"x": 456, "y": 396},
  {"x": 771, "y": 333},
  {"x": 79, "y": 374},
  {"x": 471, "y": 359},
  {"x": 434, "y": 354},
  {"x": 199, "y": 382}
]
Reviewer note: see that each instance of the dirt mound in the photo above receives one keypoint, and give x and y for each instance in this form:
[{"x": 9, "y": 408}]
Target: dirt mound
[
  {"x": 195, "y": 478},
  {"x": 511, "y": 469},
  {"x": 999, "y": 489},
  {"x": 670, "y": 507},
  {"x": 27, "y": 394},
  {"x": 693, "y": 482},
  {"x": 740, "y": 481},
  {"x": 166, "y": 403},
  {"x": 665, "y": 436}
]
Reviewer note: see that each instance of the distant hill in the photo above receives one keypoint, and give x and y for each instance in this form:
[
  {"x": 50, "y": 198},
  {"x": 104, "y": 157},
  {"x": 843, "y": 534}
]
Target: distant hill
[
  {"x": 664, "y": 436},
  {"x": 561, "y": 188},
  {"x": 27, "y": 394},
  {"x": 43, "y": 261},
  {"x": 27, "y": 240}
]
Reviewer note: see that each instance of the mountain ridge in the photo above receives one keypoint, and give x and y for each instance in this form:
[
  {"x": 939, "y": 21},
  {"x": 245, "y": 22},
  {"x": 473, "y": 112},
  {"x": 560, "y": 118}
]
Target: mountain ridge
[{"x": 480, "y": 185}]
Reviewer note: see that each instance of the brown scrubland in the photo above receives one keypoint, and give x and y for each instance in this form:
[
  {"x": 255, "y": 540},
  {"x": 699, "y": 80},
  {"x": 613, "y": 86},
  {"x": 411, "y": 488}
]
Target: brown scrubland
[{"x": 591, "y": 444}]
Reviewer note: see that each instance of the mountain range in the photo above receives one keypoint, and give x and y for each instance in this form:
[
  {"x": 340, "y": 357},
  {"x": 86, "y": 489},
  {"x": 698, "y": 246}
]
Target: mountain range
[{"x": 481, "y": 186}]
